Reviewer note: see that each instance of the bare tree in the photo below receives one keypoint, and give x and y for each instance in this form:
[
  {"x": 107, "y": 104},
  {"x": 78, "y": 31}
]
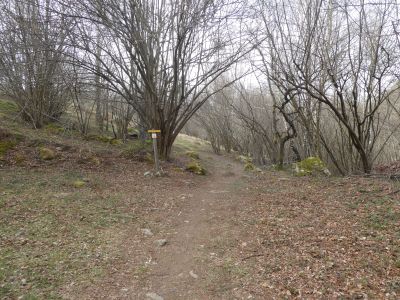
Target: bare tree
[
  {"x": 32, "y": 46},
  {"x": 160, "y": 56},
  {"x": 342, "y": 56}
]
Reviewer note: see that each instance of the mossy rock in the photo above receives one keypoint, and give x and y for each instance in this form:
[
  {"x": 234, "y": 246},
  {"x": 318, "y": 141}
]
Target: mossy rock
[
  {"x": 46, "y": 153},
  {"x": 249, "y": 166},
  {"x": 311, "y": 166},
  {"x": 193, "y": 154},
  {"x": 78, "y": 184},
  {"x": 195, "y": 168}
]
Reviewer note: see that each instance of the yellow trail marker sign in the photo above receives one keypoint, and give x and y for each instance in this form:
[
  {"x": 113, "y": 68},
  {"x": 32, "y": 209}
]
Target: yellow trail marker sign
[{"x": 155, "y": 150}]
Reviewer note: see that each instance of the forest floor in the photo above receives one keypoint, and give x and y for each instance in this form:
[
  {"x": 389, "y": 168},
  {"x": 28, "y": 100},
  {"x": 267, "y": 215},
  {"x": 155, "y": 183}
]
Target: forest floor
[{"x": 230, "y": 234}]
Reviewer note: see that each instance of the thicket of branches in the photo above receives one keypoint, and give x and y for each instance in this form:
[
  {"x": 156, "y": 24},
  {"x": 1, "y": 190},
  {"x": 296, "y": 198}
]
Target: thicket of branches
[
  {"x": 157, "y": 57},
  {"x": 328, "y": 75},
  {"x": 324, "y": 81}
]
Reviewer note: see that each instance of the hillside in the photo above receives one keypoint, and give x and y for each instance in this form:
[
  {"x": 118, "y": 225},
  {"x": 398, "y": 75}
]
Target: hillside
[{"x": 86, "y": 223}]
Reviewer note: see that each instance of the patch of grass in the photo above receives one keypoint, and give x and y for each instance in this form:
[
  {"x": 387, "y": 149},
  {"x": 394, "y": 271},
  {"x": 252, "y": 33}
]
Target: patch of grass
[
  {"x": 54, "y": 128},
  {"x": 397, "y": 263},
  {"x": 104, "y": 139},
  {"x": 5, "y": 146},
  {"x": 139, "y": 151},
  {"x": 233, "y": 269},
  {"x": 185, "y": 143},
  {"x": 382, "y": 218},
  {"x": 141, "y": 271},
  {"x": 51, "y": 233},
  {"x": 8, "y": 107},
  {"x": 192, "y": 154}
]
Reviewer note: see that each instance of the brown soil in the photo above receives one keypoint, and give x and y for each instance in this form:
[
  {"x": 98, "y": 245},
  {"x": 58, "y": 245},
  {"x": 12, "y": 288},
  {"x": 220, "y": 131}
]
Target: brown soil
[{"x": 239, "y": 235}]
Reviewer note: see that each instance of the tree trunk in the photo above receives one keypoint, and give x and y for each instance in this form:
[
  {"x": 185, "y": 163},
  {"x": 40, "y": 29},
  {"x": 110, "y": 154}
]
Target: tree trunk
[{"x": 165, "y": 143}]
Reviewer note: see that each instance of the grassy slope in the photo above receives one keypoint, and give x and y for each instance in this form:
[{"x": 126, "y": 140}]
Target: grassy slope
[
  {"x": 51, "y": 232},
  {"x": 54, "y": 235}
]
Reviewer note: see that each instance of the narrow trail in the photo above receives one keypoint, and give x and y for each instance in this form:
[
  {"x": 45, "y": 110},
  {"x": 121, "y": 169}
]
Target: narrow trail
[
  {"x": 181, "y": 271},
  {"x": 247, "y": 235}
]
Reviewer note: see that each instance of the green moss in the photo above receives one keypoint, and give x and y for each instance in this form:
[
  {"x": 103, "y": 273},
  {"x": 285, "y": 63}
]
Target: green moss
[
  {"x": 5, "y": 146},
  {"x": 193, "y": 154},
  {"x": 196, "y": 168},
  {"x": 46, "y": 153},
  {"x": 311, "y": 166},
  {"x": 78, "y": 184}
]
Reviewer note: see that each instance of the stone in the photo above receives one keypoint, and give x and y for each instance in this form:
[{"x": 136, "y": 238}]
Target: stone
[
  {"x": 148, "y": 174},
  {"x": 46, "y": 153},
  {"x": 147, "y": 232},
  {"x": 161, "y": 242},
  {"x": 311, "y": 166},
  {"x": 194, "y": 275},
  {"x": 154, "y": 296}
]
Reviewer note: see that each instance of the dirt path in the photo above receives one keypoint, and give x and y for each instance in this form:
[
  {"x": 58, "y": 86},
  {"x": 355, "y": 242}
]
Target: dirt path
[
  {"x": 182, "y": 270},
  {"x": 249, "y": 235}
]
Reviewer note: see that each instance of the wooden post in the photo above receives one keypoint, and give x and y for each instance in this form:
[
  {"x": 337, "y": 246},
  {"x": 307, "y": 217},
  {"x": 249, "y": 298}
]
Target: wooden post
[{"x": 155, "y": 150}]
